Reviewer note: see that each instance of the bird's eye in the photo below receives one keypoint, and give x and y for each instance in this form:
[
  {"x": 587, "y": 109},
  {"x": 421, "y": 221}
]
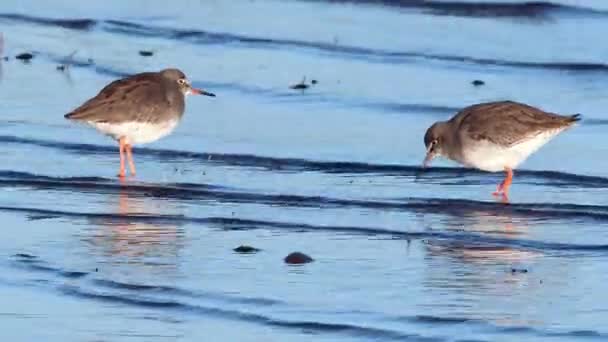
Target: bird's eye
[{"x": 181, "y": 81}]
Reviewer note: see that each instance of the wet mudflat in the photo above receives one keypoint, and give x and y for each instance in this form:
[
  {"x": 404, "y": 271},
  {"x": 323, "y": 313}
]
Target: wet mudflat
[{"x": 330, "y": 170}]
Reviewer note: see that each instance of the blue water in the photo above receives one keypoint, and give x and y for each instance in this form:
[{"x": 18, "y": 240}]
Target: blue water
[{"x": 332, "y": 171}]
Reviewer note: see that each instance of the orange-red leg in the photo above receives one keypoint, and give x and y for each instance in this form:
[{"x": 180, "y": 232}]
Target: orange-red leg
[
  {"x": 130, "y": 159},
  {"x": 503, "y": 188},
  {"x": 121, "y": 148}
]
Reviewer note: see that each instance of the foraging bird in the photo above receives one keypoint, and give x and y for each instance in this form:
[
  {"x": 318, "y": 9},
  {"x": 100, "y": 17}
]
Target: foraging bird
[
  {"x": 137, "y": 109},
  {"x": 494, "y": 136}
]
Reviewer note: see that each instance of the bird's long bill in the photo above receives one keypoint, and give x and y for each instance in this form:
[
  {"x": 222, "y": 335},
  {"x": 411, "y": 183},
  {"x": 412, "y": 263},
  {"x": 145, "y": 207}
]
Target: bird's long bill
[
  {"x": 430, "y": 154},
  {"x": 201, "y": 92}
]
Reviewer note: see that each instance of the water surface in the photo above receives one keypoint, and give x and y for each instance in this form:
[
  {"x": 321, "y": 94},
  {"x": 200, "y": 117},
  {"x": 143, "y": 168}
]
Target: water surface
[{"x": 332, "y": 171}]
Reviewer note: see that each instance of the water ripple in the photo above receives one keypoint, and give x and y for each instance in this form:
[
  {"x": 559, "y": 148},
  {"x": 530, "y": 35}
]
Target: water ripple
[
  {"x": 528, "y": 9},
  {"x": 470, "y": 240},
  {"x": 276, "y": 164},
  {"x": 139, "y": 295},
  {"x": 328, "y": 48},
  {"x": 311, "y": 326}
]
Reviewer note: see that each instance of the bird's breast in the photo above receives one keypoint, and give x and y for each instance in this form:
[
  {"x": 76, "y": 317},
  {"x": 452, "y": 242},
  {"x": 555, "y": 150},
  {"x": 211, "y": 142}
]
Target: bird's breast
[
  {"x": 488, "y": 156},
  {"x": 138, "y": 132}
]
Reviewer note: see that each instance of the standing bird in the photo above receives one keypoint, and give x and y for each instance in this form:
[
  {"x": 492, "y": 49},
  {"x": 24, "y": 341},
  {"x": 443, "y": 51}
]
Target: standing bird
[
  {"x": 494, "y": 136},
  {"x": 137, "y": 109}
]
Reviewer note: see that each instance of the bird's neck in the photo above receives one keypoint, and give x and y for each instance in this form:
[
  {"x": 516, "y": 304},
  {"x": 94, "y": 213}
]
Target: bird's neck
[
  {"x": 177, "y": 101},
  {"x": 450, "y": 138}
]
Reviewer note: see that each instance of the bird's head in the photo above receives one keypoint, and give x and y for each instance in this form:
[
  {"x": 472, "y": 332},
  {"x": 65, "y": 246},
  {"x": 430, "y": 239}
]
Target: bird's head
[
  {"x": 434, "y": 140},
  {"x": 176, "y": 75}
]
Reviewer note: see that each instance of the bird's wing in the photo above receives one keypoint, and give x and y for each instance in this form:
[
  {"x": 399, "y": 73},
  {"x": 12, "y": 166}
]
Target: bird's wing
[
  {"x": 128, "y": 99},
  {"x": 508, "y": 123}
]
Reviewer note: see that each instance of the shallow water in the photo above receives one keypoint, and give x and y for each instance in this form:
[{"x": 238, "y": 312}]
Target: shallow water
[{"x": 332, "y": 171}]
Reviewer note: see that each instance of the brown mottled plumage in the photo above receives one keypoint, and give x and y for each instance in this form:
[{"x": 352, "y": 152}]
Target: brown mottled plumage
[
  {"x": 145, "y": 97},
  {"x": 138, "y": 109},
  {"x": 494, "y": 136},
  {"x": 507, "y": 123}
]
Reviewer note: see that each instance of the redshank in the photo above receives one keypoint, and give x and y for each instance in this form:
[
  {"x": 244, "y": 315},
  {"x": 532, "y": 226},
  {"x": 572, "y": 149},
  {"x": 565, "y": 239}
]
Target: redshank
[
  {"x": 494, "y": 136},
  {"x": 137, "y": 109}
]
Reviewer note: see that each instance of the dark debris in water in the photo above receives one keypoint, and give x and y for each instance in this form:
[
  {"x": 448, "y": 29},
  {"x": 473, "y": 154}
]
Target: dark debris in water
[
  {"x": 478, "y": 83},
  {"x": 303, "y": 85},
  {"x": 146, "y": 53},
  {"x": 25, "y": 256},
  {"x": 299, "y": 86},
  {"x": 244, "y": 249},
  {"x": 519, "y": 270},
  {"x": 298, "y": 258},
  {"x": 74, "y": 274},
  {"x": 25, "y": 56}
]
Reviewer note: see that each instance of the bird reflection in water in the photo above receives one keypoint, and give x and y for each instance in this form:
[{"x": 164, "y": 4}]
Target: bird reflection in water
[
  {"x": 138, "y": 237},
  {"x": 478, "y": 263},
  {"x": 484, "y": 223}
]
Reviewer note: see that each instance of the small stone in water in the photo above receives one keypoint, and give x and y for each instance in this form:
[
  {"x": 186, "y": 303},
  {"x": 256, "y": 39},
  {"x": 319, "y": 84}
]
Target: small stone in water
[{"x": 297, "y": 258}]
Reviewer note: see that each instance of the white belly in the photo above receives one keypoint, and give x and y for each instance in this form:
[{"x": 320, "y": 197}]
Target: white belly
[
  {"x": 487, "y": 156},
  {"x": 137, "y": 132}
]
